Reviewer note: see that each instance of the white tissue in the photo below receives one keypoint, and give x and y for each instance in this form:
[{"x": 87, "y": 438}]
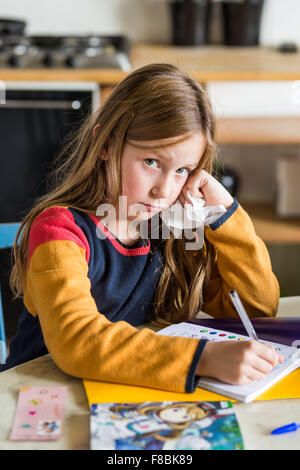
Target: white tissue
[{"x": 191, "y": 216}]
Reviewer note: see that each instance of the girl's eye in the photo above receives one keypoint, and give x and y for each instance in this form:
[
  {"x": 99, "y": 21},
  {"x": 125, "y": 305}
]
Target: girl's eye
[
  {"x": 151, "y": 162},
  {"x": 182, "y": 171}
]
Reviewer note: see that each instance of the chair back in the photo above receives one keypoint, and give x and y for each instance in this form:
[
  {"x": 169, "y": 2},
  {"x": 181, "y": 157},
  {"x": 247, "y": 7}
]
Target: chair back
[{"x": 8, "y": 234}]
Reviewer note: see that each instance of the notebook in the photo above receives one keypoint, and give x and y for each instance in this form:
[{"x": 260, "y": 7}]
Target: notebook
[
  {"x": 166, "y": 425},
  {"x": 244, "y": 393}
]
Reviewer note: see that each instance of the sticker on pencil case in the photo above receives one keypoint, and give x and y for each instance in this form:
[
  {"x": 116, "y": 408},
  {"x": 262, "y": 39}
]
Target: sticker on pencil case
[
  {"x": 49, "y": 428},
  {"x": 39, "y": 413}
]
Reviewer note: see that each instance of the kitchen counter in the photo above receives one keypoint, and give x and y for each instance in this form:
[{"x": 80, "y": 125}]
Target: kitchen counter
[
  {"x": 205, "y": 63},
  {"x": 217, "y": 63}
]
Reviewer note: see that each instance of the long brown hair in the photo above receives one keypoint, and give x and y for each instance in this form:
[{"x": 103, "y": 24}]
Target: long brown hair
[{"x": 155, "y": 102}]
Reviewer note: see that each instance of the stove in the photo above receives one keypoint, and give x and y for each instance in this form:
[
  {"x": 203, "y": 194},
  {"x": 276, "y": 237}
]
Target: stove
[{"x": 59, "y": 52}]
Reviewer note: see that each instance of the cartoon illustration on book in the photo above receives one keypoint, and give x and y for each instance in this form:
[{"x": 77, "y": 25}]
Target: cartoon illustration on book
[{"x": 165, "y": 426}]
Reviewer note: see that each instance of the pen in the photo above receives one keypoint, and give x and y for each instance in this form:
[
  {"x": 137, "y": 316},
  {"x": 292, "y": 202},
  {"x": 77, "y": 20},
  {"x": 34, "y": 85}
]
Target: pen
[
  {"x": 287, "y": 428},
  {"x": 242, "y": 314}
]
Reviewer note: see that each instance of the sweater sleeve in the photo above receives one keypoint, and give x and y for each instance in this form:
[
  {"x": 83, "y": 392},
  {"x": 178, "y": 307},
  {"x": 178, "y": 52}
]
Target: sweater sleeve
[
  {"x": 242, "y": 262},
  {"x": 81, "y": 340}
]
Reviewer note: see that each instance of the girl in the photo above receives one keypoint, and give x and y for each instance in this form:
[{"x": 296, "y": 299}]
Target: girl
[{"x": 85, "y": 294}]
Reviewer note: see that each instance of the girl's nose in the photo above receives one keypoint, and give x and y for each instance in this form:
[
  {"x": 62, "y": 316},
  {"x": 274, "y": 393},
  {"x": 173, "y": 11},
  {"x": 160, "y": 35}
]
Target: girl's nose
[{"x": 162, "y": 188}]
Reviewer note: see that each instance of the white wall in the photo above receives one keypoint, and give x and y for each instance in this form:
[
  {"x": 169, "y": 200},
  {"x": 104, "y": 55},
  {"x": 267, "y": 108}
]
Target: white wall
[
  {"x": 141, "y": 20},
  {"x": 280, "y": 22}
]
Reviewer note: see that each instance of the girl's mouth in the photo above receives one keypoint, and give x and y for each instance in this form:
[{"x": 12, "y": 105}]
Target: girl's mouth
[{"x": 151, "y": 208}]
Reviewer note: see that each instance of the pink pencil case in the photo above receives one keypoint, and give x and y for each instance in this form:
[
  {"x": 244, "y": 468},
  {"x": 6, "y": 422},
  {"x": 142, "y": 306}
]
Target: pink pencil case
[{"x": 39, "y": 414}]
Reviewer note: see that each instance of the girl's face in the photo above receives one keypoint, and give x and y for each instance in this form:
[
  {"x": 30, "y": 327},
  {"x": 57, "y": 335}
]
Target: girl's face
[{"x": 154, "y": 178}]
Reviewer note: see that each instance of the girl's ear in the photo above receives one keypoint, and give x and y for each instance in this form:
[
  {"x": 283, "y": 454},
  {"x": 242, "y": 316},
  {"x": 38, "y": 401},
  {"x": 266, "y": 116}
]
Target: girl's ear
[
  {"x": 103, "y": 156},
  {"x": 95, "y": 129}
]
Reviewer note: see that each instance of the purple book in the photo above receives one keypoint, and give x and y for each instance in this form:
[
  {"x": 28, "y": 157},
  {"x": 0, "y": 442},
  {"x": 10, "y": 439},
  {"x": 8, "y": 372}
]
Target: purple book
[{"x": 279, "y": 330}]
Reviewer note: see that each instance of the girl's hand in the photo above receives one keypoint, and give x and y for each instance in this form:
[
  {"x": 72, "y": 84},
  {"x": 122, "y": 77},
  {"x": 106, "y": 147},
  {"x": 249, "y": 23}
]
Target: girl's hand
[
  {"x": 237, "y": 362},
  {"x": 202, "y": 184}
]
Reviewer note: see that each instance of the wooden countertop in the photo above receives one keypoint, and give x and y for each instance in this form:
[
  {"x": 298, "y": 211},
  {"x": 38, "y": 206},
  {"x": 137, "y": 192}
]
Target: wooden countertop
[
  {"x": 215, "y": 63},
  {"x": 205, "y": 63},
  {"x": 272, "y": 228}
]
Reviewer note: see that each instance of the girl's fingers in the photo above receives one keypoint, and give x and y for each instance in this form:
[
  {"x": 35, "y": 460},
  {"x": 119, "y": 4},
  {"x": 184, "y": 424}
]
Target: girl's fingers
[
  {"x": 183, "y": 197},
  {"x": 268, "y": 353},
  {"x": 279, "y": 356},
  {"x": 262, "y": 366},
  {"x": 255, "y": 374},
  {"x": 265, "y": 363},
  {"x": 264, "y": 359}
]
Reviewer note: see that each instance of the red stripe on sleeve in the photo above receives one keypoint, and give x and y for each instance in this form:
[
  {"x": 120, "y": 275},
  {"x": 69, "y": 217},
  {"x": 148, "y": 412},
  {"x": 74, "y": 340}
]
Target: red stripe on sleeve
[{"x": 56, "y": 223}]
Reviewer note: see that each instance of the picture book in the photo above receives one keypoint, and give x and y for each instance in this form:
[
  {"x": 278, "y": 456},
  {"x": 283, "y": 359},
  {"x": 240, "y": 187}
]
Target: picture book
[
  {"x": 244, "y": 393},
  {"x": 166, "y": 425}
]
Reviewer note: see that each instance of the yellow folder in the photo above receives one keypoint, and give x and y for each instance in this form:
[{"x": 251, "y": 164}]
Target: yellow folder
[{"x": 105, "y": 392}]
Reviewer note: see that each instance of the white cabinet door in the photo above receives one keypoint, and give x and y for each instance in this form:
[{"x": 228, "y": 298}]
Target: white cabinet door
[{"x": 255, "y": 99}]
